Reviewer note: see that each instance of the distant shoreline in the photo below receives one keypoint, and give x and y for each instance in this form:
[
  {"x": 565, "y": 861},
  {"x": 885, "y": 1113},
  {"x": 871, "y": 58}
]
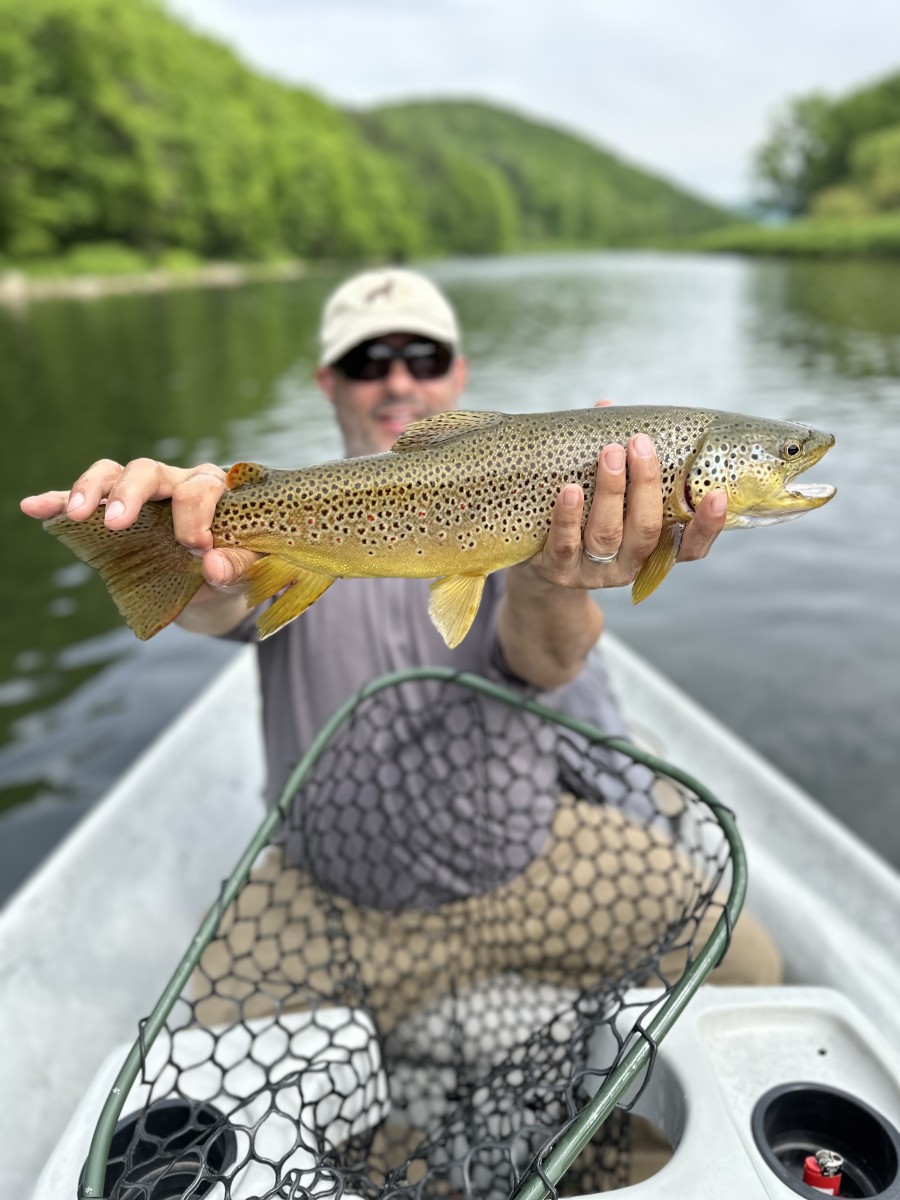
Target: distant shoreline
[
  {"x": 18, "y": 289},
  {"x": 868, "y": 237},
  {"x": 864, "y": 239}
]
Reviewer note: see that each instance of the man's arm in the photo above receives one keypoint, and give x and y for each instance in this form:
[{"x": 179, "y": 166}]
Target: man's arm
[
  {"x": 219, "y": 606},
  {"x": 547, "y": 621}
]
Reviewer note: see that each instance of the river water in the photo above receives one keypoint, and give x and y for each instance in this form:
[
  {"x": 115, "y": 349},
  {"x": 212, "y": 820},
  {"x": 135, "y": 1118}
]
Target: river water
[{"x": 791, "y": 635}]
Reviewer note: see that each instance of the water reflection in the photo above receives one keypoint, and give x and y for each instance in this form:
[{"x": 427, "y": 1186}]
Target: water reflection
[
  {"x": 839, "y": 318},
  {"x": 183, "y": 376}
]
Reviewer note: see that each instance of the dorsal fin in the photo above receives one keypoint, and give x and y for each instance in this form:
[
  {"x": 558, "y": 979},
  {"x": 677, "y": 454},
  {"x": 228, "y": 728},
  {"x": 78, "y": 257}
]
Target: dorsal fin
[
  {"x": 443, "y": 426},
  {"x": 244, "y": 472}
]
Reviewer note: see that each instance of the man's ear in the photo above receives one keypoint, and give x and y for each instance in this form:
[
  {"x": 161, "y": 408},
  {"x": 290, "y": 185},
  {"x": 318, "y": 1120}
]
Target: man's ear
[{"x": 326, "y": 381}]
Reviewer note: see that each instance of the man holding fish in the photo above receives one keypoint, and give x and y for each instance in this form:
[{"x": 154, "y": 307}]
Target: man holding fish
[{"x": 390, "y": 357}]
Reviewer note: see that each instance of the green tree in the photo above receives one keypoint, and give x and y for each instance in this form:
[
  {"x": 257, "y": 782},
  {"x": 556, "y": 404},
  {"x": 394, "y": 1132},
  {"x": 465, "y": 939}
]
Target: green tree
[
  {"x": 841, "y": 200},
  {"x": 34, "y": 120},
  {"x": 812, "y": 142},
  {"x": 795, "y": 162},
  {"x": 875, "y": 161}
]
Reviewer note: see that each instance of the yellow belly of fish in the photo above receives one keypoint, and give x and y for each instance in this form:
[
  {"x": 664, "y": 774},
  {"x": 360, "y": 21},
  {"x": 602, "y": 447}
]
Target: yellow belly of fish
[
  {"x": 422, "y": 558},
  {"x": 298, "y": 575}
]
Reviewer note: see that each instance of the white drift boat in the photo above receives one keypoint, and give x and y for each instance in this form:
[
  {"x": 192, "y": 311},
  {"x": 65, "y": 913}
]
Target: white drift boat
[{"x": 90, "y": 941}]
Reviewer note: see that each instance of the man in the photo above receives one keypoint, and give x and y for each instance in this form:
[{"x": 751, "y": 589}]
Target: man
[
  {"x": 467, "y": 879},
  {"x": 390, "y": 354}
]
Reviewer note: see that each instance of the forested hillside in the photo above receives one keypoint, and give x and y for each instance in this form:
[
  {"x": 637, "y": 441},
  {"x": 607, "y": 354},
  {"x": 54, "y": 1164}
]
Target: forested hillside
[
  {"x": 525, "y": 183},
  {"x": 117, "y": 123},
  {"x": 120, "y": 125}
]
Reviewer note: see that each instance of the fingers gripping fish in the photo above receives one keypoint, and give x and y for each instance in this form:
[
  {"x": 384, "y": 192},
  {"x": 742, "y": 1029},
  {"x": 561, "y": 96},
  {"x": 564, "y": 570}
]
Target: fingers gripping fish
[{"x": 460, "y": 494}]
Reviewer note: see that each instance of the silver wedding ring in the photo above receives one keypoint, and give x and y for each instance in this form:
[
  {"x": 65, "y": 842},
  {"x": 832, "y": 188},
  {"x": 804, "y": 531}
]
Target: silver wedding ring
[{"x": 600, "y": 558}]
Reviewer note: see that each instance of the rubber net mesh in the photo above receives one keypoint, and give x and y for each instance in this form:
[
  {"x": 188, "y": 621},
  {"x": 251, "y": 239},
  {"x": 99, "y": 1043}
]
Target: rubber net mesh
[{"x": 427, "y": 973}]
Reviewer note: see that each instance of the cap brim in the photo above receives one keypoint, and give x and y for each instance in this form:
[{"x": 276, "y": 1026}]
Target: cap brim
[{"x": 377, "y": 325}]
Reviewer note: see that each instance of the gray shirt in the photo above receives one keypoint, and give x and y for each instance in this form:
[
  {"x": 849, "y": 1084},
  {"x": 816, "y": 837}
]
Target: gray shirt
[{"x": 445, "y": 795}]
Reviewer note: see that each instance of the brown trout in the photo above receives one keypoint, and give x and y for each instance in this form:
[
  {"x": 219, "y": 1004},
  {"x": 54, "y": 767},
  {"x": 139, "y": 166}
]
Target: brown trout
[{"x": 460, "y": 494}]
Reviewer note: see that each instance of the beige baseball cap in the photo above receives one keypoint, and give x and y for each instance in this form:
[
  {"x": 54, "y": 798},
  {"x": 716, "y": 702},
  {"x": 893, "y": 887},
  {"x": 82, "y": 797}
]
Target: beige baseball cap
[{"x": 389, "y": 300}]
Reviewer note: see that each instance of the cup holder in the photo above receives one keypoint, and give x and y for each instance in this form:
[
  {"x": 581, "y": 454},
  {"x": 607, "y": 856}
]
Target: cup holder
[
  {"x": 159, "y": 1152},
  {"x": 795, "y": 1120}
]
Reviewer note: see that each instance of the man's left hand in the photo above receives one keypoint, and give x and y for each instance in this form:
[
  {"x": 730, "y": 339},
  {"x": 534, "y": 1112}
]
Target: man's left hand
[{"x": 632, "y": 535}]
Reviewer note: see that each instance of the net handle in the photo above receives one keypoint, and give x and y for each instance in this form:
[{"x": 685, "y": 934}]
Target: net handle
[
  {"x": 580, "y": 1131},
  {"x": 539, "y": 1183}
]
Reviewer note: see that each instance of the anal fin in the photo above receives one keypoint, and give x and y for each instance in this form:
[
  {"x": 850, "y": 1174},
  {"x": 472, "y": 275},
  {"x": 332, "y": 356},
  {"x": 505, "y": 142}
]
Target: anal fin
[
  {"x": 453, "y": 604},
  {"x": 658, "y": 565}
]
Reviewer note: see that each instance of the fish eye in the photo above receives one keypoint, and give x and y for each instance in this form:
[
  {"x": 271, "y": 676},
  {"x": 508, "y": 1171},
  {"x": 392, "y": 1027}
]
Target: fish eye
[{"x": 792, "y": 449}]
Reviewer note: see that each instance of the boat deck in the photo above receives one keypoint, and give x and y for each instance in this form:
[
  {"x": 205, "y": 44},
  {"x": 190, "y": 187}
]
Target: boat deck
[{"x": 89, "y": 942}]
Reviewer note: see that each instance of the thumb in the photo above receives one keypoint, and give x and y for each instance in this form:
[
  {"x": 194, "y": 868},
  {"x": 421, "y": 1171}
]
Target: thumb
[{"x": 228, "y": 568}]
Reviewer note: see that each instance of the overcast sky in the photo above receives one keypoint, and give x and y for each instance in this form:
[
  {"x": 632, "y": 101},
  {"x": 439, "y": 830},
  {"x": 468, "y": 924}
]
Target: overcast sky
[{"x": 685, "y": 88}]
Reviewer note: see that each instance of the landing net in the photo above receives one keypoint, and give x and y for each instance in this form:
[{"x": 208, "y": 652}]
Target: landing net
[{"x": 416, "y": 983}]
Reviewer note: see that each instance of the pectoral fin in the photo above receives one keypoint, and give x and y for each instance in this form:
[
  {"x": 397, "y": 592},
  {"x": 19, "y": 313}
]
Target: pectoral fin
[
  {"x": 302, "y": 588},
  {"x": 658, "y": 565},
  {"x": 453, "y": 604},
  {"x": 268, "y": 576}
]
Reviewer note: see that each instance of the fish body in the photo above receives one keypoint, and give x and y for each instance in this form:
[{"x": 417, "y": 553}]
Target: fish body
[{"x": 460, "y": 494}]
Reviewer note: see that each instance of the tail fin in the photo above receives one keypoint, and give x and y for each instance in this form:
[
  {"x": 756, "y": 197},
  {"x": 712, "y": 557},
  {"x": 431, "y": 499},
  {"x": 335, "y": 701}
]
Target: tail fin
[{"x": 149, "y": 574}]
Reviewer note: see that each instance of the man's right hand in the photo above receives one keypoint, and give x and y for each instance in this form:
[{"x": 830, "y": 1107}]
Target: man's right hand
[{"x": 194, "y": 492}]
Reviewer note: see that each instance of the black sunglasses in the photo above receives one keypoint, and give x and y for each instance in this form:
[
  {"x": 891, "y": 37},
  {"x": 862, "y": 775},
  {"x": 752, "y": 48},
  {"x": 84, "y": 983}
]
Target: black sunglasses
[{"x": 373, "y": 360}]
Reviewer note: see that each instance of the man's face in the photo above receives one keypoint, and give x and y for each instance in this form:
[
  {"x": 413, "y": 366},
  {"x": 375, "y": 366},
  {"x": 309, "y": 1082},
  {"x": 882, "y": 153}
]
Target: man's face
[{"x": 373, "y": 413}]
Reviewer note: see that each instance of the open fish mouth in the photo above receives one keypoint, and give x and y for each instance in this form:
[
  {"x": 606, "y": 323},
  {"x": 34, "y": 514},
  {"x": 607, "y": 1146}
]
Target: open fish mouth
[
  {"x": 793, "y": 501},
  {"x": 821, "y": 492}
]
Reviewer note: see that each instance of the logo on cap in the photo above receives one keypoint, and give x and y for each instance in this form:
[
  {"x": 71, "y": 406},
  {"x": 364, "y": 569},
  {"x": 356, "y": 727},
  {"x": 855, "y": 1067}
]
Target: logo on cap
[{"x": 384, "y": 289}]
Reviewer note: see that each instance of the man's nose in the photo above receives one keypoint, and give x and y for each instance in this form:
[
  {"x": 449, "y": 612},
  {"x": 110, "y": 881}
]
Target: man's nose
[{"x": 399, "y": 375}]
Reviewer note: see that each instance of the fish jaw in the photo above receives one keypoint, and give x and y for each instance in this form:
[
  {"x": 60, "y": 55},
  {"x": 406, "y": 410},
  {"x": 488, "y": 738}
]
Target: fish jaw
[
  {"x": 758, "y": 472},
  {"x": 792, "y": 503}
]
